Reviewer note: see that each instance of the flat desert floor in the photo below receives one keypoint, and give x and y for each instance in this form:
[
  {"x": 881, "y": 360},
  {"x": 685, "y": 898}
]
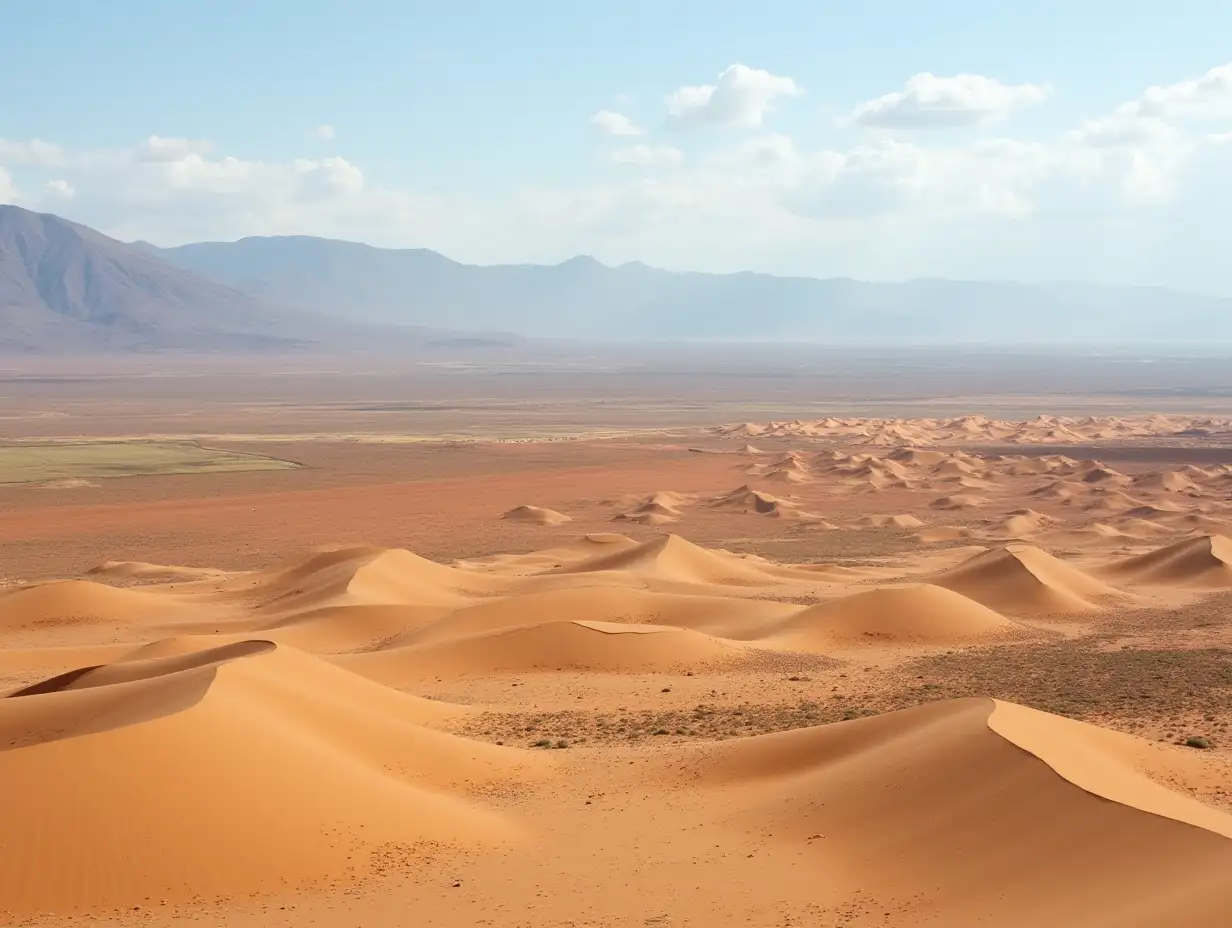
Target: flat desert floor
[{"x": 267, "y": 663}]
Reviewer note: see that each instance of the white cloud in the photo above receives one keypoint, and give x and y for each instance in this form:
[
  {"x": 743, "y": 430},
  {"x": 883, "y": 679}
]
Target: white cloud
[
  {"x": 661, "y": 155},
  {"x": 928, "y": 101},
  {"x": 771, "y": 151},
  {"x": 1122, "y": 129},
  {"x": 323, "y": 133},
  {"x": 615, "y": 124},
  {"x": 159, "y": 149},
  {"x": 739, "y": 98},
  {"x": 61, "y": 189},
  {"x": 1206, "y": 97},
  {"x": 32, "y": 152}
]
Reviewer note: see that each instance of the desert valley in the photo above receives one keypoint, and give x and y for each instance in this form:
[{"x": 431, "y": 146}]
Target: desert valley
[
  {"x": 641, "y": 465},
  {"x": 311, "y": 668}
]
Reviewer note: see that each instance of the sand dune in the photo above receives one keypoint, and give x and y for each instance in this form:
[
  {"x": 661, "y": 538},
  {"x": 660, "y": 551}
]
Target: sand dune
[
  {"x": 746, "y": 499},
  {"x": 1023, "y": 580},
  {"x": 61, "y": 604},
  {"x": 1168, "y": 481},
  {"x": 224, "y": 760},
  {"x": 1020, "y": 523},
  {"x": 902, "y": 520},
  {"x": 920, "y": 614},
  {"x": 958, "y": 501},
  {"x": 1061, "y": 489},
  {"x": 139, "y": 570},
  {"x": 659, "y": 508},
  {"x": 576, "y": 645},
  {"x": 536, "y": 515},
  {"x": 673, "y": 558},
  {"x": 1204, "y": 562},
  {"x": 939, "y": 788},
  {"x": 243, "y": 769},
  {"x": 354, "y": 576}
]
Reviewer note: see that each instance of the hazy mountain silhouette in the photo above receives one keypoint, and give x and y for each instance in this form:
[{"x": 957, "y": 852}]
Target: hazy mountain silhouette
[
  {"x": 583, "y": 298},
  {"x": 67, "y": 288}
]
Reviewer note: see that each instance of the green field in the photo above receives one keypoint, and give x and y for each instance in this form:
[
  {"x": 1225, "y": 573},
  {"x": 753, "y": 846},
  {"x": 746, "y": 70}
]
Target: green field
[{"x": 40, "y": 462}]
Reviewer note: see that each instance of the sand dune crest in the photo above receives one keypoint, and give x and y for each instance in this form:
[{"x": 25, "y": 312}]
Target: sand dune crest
[{"x": 1023, "y": 579}]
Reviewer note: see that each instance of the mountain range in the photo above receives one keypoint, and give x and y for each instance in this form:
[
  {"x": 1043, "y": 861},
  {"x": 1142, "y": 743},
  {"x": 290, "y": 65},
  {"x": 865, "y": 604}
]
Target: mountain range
[{"x": 65, "y": 287}]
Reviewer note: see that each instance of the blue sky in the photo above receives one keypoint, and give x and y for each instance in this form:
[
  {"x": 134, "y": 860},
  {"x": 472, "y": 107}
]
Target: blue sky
[{"x": 471, "y": 128}]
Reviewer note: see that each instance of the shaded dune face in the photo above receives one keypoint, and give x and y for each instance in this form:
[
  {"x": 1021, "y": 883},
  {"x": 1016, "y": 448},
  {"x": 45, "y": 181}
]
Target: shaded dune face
[
  {"x": 1023, "y": 579},
  {"x": 1203, "y": 562},
  {"x": 940, "y": 790}
]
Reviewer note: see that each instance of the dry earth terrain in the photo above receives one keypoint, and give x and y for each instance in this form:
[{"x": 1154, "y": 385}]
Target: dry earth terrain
[{"x": 944, "y": 668}]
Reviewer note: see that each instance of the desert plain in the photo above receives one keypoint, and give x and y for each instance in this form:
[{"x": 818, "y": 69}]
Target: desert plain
[{"x": 863, "y": 641}]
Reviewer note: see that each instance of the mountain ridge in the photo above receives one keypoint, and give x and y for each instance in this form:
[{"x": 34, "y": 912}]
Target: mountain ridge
[{"x": 584, "y": 298}]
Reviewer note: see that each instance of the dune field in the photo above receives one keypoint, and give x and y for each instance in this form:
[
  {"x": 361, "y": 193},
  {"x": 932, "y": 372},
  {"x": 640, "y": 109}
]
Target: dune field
[{"x": 844, "y": 672}]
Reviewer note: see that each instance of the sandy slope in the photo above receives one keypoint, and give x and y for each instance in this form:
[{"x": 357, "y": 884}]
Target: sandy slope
[
  {"x": 990, "y": 813},
  {"x": 1204, "y": 562},
  {"x": 920, "y": 614},
  {"x": 221, "y": 772},
  {"x": 1022, "y": 579}
]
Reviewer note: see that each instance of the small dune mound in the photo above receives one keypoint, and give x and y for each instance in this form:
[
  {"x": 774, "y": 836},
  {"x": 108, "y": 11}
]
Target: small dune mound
[
  {"x": 536, "y": 515},
  {"x": 1111, "y": 501},
  {"x": 958, "y": 501},
  {"x": 672, "y": 558},
  {"x": 231, "y": 771},
  {"x": 1168, "y": 481},
  {"x": 659, "y": 508},
  {"x": 1204, "y": 562},
  {"x": 1020, "y": 579},
  {"x": 746, "y": 499},
  {"x": 787, "y": 475},
  {"x": 918, "y": 614},
  {"x": 1061, "y": 489},
  {"x": 750, "y": 450},
  {"x": 1020, "y": 523},
  {"x": 902, "y": 520},
  {"x": 953, "y": 467},
  {"x": 1028, "y": 467},
  {"x": 917, "y": 457},
  {"x": 139, "y": 570},
  {"x": 1104, "y": 476}
]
